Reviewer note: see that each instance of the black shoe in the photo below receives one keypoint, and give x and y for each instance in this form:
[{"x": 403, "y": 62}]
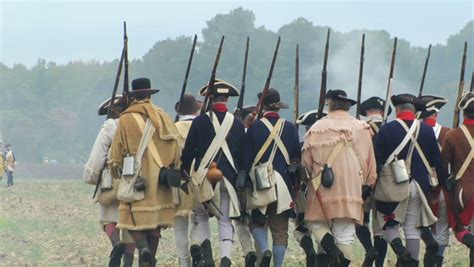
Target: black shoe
[
  {"x": 431, "y": 247},
  {"x": 334, "y": 253},
  {"x": 145, "y": 259},
  {"x": 250, "y": 259},
  {"x": 322, "y": 260},
  {"x": 207, "y": 260},
  {"x": 468, "y": 240},
  {"x": 439, "y": 261},
  {"x": 196, "y": 255},
  {"x": 403, "y": 256},
  {"x": 225, "y": 262},
  {"x": 116, "y": 255},
  {"x": 370, "y": 257},
  {"x": 307, "y": 245},
  {"x": 266, "y": 259}
]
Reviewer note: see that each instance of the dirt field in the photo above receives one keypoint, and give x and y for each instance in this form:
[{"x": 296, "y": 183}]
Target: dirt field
[{"x": 54, "y": 223}]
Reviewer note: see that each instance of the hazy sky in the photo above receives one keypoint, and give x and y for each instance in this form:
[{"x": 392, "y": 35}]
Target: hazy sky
[{"x": 67, "y": 30}]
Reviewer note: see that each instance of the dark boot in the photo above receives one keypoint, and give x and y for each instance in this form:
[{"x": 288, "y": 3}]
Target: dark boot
[
  {"x": 225, "y": 262},
  {"x": 145, "y": 259},
  {"x": 307, "y": 245},
  {"x": 116, "y": 255},
  {"x": 207, "y": 259},
  {"x": 414, "y": 263},
  {"x": 468, "y": 240},
  {"x": 439, "y": 261},
  {"x": 403, "y": 256},
  {"x": 370, "y": 257},
  {"x": 196, "y": 255},
  {"x": 334, "y": 253},
  {"x": 364, "y": 236},
  {"x": 322, "y": 260},
  {"x": 431, "y": 247},
  {"x": 266, "y": 259},
  {"x": 381, "y": 247},
  {"x": 250, "y": 259},
  {"x": 127, "y": 259}
]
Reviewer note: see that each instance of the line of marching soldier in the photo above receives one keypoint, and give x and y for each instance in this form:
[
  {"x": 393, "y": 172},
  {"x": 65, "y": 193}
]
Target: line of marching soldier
[{"x": 253, "y": 176}]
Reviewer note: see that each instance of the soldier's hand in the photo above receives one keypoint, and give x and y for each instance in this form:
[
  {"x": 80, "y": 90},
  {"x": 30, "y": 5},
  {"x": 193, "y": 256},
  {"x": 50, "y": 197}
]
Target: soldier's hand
[{"x": 366, "y": 192}]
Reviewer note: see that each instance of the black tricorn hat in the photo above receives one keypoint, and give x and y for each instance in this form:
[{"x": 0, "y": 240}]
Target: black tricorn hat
[
  {"x": 104, "y": 107},
  {"x": 467, "y": 102},
  {"x": 308, "y": 118},
  {"x": 374, "y": 102},
  {"x": 272, "y": 99},
  {"x": 189, "y": 105},
  {"x": 141, "y": 87},
  {"x": 338, "y": 94},
  {"x": 432, "y": 104},
  {"x": 221, "y": 88},
  {"x": 247, "y": 110},
  {"x": 407, "y": 99}
]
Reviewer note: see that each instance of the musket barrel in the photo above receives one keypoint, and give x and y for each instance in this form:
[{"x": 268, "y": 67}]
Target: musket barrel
[
  {"x": 297, "y": 84},
  {"x": 425, "y": 68},
  {"x": 267, "y": 83},
  {"x": 240, "y": 103},
  {"x": 390, "y": 80},
  {"x": 210, "y": 86},
  {"x": 322, "y": 91},
  {"x": 186, "y": 76},
  {"x": 361, "y": 71},
  {"x": 117, "y": 76},
  {"x": 125, "y": 73},
  {"x": 460, "y": 88}
]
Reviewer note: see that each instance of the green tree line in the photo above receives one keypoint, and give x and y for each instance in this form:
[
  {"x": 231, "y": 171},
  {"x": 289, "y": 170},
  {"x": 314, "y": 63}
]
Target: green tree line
[{"x": 50, "y": 110}]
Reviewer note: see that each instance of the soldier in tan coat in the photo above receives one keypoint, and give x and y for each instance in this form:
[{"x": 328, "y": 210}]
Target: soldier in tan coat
[
  {"x": 145, "y": 218},
  {"x": 341, "y": 145}
]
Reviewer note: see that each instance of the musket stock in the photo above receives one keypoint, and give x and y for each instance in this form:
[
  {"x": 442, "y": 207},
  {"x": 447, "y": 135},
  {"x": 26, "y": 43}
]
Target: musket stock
[
  {"x": 322, "y": 91},
  {"x": 460, "y": 88},
  {"x": 361, "y": 71},
  {"x": 186, "y": 76}
]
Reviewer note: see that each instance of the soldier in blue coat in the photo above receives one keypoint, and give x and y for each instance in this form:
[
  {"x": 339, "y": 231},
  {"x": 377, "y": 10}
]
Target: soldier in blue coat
[
  {"x": 227, "y": 157},
  {"x": 282, "y": 150},
  {"x": 402, "y": 197}
]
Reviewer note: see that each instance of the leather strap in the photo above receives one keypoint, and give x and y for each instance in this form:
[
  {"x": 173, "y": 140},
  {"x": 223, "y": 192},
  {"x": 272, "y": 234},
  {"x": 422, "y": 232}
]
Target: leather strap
[
  {"x": 278, "y": 140},
  {"x": 224, "y": 146},
  {"x": 273, "y": 133},
  {"x": 374, "y": 126},
  {"x": 470, "y": 156},
  {"x": 404, "y": 142},
  {"x": 144, "y": 127}
]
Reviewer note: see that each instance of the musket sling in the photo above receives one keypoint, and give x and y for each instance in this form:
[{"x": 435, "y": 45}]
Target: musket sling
[{"x": 470, "y": 156}]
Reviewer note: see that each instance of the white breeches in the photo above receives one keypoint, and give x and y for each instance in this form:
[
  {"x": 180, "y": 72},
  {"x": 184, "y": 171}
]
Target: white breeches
[
  {"x": 342, "y": 230},
  {"x": 441, "y": 233},
  {"x": 181, "y": 226}
]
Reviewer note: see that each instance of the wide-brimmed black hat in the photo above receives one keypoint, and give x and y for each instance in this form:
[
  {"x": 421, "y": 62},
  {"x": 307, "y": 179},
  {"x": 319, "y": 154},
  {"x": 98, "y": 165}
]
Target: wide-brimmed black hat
[
  {"x": 272, "y": 99},
  {"x": 308, "y": 118},
  {"x": 467, "y": 102},
  {"x": 338, "y": 94},
  {"x": 221, "y": 88},
  {"x": 141, "y": 87},
  {"x": 189, "y": 105},
  {"x": 374, "y": 102},
  {"x": 432, "y": 104},
  {"x": 104, "y": 107},
  {"x": 407, "y": 99}
]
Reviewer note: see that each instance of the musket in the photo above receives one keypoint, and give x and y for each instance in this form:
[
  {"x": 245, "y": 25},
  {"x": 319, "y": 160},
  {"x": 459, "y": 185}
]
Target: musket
[
  {"x": 186, "y": 75},
  {"x": 240, "y": 103},
  {"x": 117, "y": 77},
  {"x": 361, "y": 71},
  {"x": 207, "y": 103},
  {"x": 390, "y": 81},
  {"x": 267, "y": 83},
  {"x": 472, "y": 82},
  {"x": 296, "y": 89},
  {"x": 125, "y": 71},
  {"x": 424, "y": 71},
  {"x": 324, "y": 76},
  {"x": 461, "y": 88}
]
